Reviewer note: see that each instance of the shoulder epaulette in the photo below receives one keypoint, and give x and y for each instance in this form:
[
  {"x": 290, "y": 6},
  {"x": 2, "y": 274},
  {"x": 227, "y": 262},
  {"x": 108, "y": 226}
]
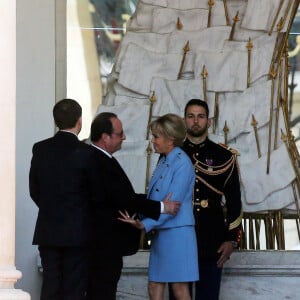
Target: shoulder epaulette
[{"x": 233, "y": 151}]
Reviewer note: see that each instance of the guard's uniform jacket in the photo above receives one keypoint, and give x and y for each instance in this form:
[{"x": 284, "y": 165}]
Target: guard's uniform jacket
[{"x": 216, "y": 176}]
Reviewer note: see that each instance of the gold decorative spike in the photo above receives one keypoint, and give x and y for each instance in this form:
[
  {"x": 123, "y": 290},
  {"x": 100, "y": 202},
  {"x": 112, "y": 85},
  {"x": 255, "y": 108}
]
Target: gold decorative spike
[
  {"x": 216, "y": 112},
  {"x": 152, "y": 100},
  {"x": 292, "y": 160},
  {"x": 285, "y": 116},
  {"x": 294, "y": 148},
  {"x": 287, "y": 10},
  {"x": 277, "y": 46},
  {"x": 284, "y": 102},
  {"x": 187, "y": 47},
  {"x": 281, "y": 45},
  {"x": 294, "y": 183},
  {"x": 143, "y": 239},
  {"x": 226, "y": 13},
  {"x": 276, "y": 17},
  {"x": 297, "y": 179},
  {"x": 284, "y": 39},
  {"x": 211, "y": 3},
  {"x": 283, "y": 137},
  {"x": 185, "y": 50},
  {"x": 273, "y": 76},
  {"x": 254, "y": 125},
  {"x": 225, "y": 130},
  {"x": 204, "y": 74},
  {"x": 235, "y": 20},
  {"x": 249, "y": 47},
  {"x": 278, "y": 104},
  {"x": 149, "y": 152},
  {"x": 179, "y": 25}
]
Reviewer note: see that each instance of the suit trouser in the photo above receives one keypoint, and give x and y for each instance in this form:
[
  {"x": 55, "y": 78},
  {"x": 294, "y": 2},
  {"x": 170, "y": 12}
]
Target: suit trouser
[
  {"x": 208, "y": 287},
  {"x": 65, "y": 273},
  {"x": 105, "y": 272}
]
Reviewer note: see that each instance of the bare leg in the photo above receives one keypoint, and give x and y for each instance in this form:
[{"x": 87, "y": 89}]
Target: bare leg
[
  {"x": 181, "y": 290},
  {"x": 156, "y": 290}
]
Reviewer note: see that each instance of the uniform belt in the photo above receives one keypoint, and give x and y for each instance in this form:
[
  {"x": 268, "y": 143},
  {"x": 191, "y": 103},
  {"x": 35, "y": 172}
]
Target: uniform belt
[{"x": 203, "y": 203}]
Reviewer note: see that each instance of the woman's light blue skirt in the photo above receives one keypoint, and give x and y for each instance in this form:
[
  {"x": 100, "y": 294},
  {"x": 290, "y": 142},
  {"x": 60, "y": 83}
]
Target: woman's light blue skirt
[{"x": 173, "y": 255}]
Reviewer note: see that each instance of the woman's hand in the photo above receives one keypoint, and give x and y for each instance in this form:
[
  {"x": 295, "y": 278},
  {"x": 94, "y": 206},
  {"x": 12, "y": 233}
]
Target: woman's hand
[{"x": 131, "y": 220}]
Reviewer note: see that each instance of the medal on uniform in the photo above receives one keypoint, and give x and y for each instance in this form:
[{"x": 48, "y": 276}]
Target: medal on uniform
[{"x": 209, "y": 162}]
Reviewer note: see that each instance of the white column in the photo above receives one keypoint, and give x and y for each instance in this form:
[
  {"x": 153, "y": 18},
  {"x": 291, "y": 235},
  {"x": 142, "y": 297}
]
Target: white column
[{"x": 8, "y": 273}]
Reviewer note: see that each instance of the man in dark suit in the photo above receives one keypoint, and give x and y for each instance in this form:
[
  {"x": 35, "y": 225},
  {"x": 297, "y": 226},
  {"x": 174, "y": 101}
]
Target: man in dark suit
[
  {"x": 112, "y": 238},
  {"x": 58, "y": 187}
]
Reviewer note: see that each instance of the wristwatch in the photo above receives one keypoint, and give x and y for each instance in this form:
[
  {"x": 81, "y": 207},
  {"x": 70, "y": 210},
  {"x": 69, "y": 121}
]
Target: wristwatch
[{"x": 234, "y": 244}]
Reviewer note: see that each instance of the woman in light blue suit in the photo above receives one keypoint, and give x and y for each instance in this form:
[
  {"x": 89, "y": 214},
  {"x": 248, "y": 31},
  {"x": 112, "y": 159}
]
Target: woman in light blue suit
[{"x": 173, "y": 256}]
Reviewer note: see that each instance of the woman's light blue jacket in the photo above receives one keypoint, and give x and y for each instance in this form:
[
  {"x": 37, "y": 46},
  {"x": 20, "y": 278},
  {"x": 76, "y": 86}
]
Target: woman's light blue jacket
[{"x": 173, "y": 174}]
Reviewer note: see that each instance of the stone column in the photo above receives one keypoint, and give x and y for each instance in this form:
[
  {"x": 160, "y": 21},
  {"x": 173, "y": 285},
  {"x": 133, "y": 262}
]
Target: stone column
[{"x": 8, "y": 273}]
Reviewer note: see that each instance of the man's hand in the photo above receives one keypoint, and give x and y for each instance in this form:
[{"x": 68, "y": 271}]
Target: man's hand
[
  {"x": 126, "y": 218},
  {"x": 171, "y": 207},
  {"x": 225, "y": 249}
]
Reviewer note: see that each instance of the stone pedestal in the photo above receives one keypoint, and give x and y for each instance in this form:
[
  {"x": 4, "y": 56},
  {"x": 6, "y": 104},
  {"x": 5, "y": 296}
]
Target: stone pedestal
[
  {"x": 251, "y": 275},
  {"x": 13, "y": 294},
  {"x": 8, "y": 277}
]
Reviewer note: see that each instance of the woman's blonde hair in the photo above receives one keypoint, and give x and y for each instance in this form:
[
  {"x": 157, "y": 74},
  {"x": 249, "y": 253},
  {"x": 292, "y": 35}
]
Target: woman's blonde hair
[{"x": 171, "y": 126}]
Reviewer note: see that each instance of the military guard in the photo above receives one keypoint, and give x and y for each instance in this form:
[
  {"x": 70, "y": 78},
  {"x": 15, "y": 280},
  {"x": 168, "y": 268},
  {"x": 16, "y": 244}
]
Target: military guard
[{"x": 217, "y": 200}]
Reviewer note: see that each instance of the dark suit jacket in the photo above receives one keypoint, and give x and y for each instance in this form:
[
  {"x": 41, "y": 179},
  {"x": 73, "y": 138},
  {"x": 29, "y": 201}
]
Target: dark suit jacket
[
  {"x": 79, "y": 191},
  {"x": 58, "y": 185},
  {"x": 113, "y": 192}
]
